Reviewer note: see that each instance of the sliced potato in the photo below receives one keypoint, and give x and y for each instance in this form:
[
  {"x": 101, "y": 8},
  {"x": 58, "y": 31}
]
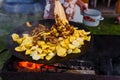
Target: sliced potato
[
  {"x": 28, "y": 52},
  {"x": 20, "y": 48},
  {"x": 50, "y": 56},
  {"x": 61, "y": 51},
  {"x": 15, "y": 36},
  {"x": 76, "y": 50},
  {"x": 28, "y": 24},
  {"x": 71, "y": 46}
]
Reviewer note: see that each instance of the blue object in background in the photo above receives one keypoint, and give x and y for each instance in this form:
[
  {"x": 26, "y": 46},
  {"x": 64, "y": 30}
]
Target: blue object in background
[
  {"x": 19, "y": 1},
  {"x": 24, "y": 8}
]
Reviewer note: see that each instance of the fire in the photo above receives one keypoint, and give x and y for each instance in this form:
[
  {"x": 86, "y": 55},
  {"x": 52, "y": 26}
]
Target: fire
[{"x": 30, "y": 66}]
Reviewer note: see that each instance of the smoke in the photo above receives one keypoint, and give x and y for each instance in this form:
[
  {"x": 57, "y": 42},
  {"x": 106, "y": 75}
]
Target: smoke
[
  {"x": 13, "y": 14},
  {"x": 1, "y": 1}
]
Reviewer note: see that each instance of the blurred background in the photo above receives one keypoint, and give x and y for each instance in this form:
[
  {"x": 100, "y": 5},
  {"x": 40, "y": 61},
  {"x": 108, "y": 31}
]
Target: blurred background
[{"x": 17, "y": 12}]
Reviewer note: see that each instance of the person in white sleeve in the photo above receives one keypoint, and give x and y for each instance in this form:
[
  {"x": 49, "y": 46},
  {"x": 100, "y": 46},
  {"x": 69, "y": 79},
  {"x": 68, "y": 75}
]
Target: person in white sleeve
[{"x": 73, "y": 9}]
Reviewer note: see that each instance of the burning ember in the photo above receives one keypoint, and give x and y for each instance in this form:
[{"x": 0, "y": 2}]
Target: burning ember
[
  {"x": 32, "y": 67},
  {"x": 29, "y": 65}
]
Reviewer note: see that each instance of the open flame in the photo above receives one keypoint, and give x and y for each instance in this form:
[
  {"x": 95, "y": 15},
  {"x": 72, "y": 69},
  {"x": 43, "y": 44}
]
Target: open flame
[{"x": 30, "y": 66}]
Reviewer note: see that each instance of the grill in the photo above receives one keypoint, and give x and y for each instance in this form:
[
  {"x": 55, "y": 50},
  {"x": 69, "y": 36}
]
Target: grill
[
  {"x": 100, "y": 62},
  {"x": 75, "y": 66}
]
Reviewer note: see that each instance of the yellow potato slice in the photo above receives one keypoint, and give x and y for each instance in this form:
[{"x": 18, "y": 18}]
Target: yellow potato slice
[
  {"x": 44, "y": 46},
  {"x": 80, "y": 40},
  {"x": 27, "y": 42},
  {"x": 71, "y": 46},
  {"x": 15, "y": 36},
  {"x": 63, "y": 44},
  {"x": 19, "y": 40},
  {"x": 72, "y": 38},
  {"x": 66, "y": 41},
  {"x": 20, "y": 48},
  {"x": 40, "y": 43},
  {"x": 50, "y": 56},
  {"x": 28, "y": 24},
  {"x": 87, "y": 38},
  {"x": 76, "y": 43},
  {"x": 76, "y": 50},
  {"x": 61, "y": 51},
  {"x": 28, "y": 52},
  {"x": 42, "y": 55}
]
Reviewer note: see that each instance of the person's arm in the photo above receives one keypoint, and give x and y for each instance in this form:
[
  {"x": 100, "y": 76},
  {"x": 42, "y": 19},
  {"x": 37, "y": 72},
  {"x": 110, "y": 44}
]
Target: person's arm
[
  {"x": 69, "y": 6},
  {"x": 83, "y": 6}
]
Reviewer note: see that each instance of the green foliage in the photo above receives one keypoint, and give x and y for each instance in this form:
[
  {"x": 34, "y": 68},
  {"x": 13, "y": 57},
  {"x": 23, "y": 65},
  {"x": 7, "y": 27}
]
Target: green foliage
[
  {"x": 106, "y": 27},
  {"x": 1, "y": 78},
  {"x": 3, "y": 57}
]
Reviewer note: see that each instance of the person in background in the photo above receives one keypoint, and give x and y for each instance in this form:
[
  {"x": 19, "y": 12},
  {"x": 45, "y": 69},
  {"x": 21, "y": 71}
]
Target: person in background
[{"x": 73, "y": 9}]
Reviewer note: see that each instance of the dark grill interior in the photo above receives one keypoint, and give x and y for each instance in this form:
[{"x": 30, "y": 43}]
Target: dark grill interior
[{"x": 100, "y": 62}]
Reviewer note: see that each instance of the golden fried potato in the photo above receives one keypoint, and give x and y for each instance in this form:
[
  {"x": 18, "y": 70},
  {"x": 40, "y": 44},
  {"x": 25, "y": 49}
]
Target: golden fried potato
[
  {"x": 76, "y": 43},
  {"x": 19, "y": 40},
  {"x": 40, "y": 43},
  {"x": 27, "y": 42},
  {"x": 35, "y": 55},
  {"x": 28, "y": 52},
  {"x": 80, "y": 40},
  {"x": 28, "y": 24},
  {"x": 72, "y": 38},
  {"x": 42, "y": 55},
  {"x": 44, "y": 46},
  {"x": 76, "y": 34},
  {"x": 71, "y": 46},
  {"x": 52, "y": 48},
  {"x": 60, "y": 40},
  {"x": 62, "y": 52},
  {"x": 66, "y": 41},
  {"x": 69, "y": 51},
  {"x": 39, "y": 50},
  {"x": 33, "y": 48},
  {"x": 87, "y": 38},
  {"x": 20, "y": 48},
  {"x": 15, "y": 36},
  {"x": 50, "y": 56},
  {"x": 63, "y": 44},
  {"x": 76, "y": 50}
]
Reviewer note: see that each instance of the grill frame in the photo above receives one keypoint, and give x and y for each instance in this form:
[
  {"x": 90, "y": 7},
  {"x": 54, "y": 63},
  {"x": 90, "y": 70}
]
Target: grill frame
[{"x": 97, "y": 48}]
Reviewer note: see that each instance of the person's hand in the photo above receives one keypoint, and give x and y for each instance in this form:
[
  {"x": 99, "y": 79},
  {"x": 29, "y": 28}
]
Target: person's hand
[{"x": 83, "y": 6}]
